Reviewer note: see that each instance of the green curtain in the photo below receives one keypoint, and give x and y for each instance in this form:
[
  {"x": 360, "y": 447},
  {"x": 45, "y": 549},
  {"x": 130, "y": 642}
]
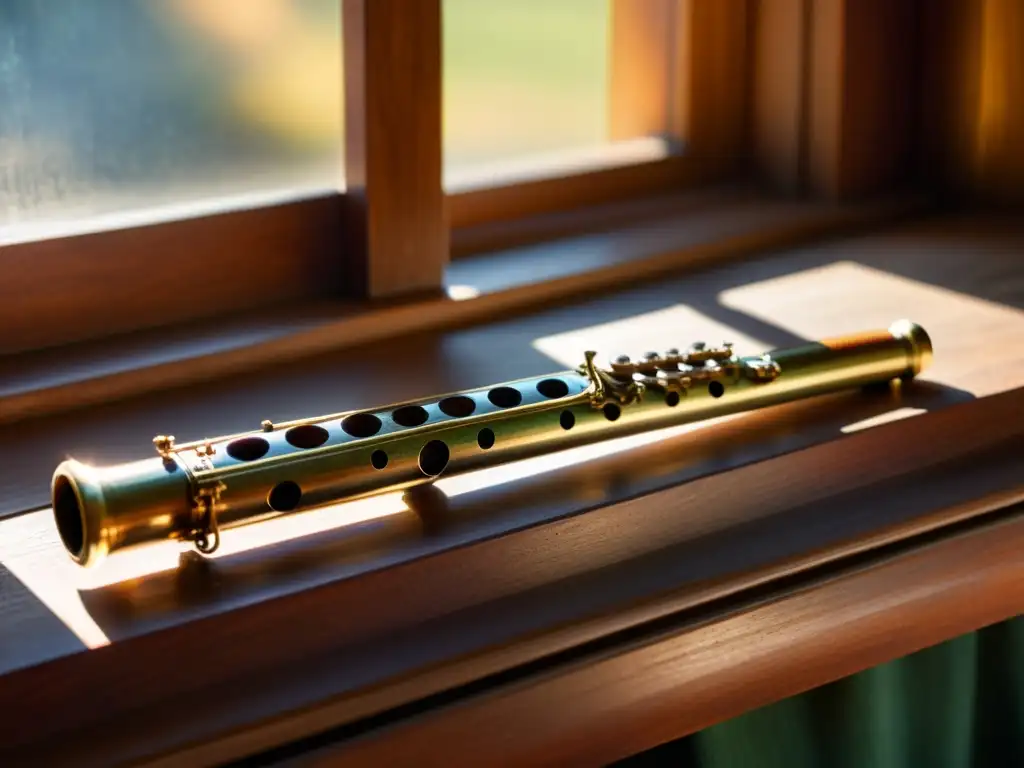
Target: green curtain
[{"x": 959, "y": 704}]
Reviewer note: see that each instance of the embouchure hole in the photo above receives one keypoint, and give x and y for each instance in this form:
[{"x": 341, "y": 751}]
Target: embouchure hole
[
  {"x": 716, "y": 389},
  {"x": 434, "y": 457},
  {"x": 485, "y": 439},
  {"x": 307, "y": 436},
  {"x": 611, "y": 411},
  {"x": 284, "y": 497},
  {"x": 361, "y": 425},
  {"x": 672, "y": 399},
  {"x": 458, "y": 406},
  {"x": 379, "y": 459},
  {"x": 505, "y": 397},
  {"x": 410, "y": 416},
  {"x": 248, "y": 448},
  {"x": 553, "y": 388},
  {"x": 567, "y": 420},
  {"x": 67, "y": 514}
]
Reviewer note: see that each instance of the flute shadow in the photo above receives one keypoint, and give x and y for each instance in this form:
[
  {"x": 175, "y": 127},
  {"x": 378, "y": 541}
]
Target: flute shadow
[{"x": 436, "y": 521}]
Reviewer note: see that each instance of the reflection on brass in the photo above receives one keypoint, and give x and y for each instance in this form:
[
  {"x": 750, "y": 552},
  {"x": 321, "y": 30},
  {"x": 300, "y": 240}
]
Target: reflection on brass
[
  {"x": 194, "y": 491},
  {"x": 626, "y": 380},
  {"x": 164, "y": 444},
  {"x": 205, "y": 449}
]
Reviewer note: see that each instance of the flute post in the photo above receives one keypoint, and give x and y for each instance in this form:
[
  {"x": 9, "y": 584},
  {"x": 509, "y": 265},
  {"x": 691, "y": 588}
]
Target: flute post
[{"x": 195, "y": 491}]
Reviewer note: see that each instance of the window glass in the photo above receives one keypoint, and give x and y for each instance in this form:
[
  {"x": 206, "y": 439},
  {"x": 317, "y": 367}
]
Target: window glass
[
  {"x": 119, "y": 105},
  {"x": 523, "y": 80}
]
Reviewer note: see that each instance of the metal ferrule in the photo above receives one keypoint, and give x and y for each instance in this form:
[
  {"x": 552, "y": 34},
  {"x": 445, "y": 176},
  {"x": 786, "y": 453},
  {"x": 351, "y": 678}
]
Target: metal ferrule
[{"x": 197, "y": 490}]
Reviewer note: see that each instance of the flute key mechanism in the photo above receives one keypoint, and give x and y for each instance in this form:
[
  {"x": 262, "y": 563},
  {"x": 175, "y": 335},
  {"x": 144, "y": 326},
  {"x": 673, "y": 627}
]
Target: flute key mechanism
[
  {"x": 194, "y": 492},
  {"x": 626, "y": 379}
]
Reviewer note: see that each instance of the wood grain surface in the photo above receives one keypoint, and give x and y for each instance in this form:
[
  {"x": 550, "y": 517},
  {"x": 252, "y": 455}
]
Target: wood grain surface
[
  {"x": 330, "y": 600},
  {"x": 630, "y": 699},
  {"x": 325, "y": 586}
]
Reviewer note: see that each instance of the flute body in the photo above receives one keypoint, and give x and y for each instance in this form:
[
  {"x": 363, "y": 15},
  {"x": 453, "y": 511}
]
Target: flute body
[{"x": 194, "y": 491}]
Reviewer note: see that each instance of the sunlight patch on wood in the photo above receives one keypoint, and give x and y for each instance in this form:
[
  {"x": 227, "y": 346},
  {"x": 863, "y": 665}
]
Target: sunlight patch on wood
[
  {"x": 884, "y": 418},
  {"x": 977, "y": 342},
  {"x": 462, "y": 292},
  {"x": 675, "y": 326},
  {"x": 44, "y": 569}
]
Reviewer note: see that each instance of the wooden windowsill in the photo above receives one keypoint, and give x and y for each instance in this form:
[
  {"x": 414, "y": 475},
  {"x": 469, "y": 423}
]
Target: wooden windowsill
[
  {"x": 310, "y": 634},
  {"x": 316, "y": 621},
  {"x": 712, "y": 665},
  {"x": 665, "y": 236}
]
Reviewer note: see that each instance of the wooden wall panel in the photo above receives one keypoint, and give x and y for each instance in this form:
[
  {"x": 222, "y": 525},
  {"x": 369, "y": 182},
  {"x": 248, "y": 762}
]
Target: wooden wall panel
[
  {"x": 973, "y": 98},
  {"x": 863, "y": 96},
  {"x": 779, "y": 104},
  {"x": 714, "y": 74}
]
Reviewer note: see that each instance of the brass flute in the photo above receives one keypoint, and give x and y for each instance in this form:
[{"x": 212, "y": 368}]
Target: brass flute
[{"x": 195, "y": 490}]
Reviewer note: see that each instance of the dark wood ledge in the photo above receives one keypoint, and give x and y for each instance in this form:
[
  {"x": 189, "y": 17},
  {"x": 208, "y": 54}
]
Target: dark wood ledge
[
  {"x": 370, "y": 611},
  {"x": 675, "y": 681},
  {"x": 307, "y": 635},
  {"x": 673, "y": 233}
]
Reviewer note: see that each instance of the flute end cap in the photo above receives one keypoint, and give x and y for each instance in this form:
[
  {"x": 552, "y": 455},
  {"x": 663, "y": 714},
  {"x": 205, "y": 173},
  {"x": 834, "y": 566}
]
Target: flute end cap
[{"x": 920, "y": 343}]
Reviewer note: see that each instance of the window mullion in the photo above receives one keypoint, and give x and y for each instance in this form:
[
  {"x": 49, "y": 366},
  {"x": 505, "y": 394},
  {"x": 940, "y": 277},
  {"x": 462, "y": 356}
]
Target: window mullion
[{"x": 396, "y": 231}]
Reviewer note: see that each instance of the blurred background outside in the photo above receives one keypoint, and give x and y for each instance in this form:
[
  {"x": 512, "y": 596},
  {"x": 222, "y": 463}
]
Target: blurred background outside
[{"x": 122, "y": 105}]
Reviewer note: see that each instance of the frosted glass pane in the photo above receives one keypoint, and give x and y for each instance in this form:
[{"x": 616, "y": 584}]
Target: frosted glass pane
[
  {"x": 120, "y": 105},
  {"x": 523, "y": 78}
]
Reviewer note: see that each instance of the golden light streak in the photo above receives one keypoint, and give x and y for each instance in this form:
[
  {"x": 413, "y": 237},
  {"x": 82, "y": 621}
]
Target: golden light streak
[
  {"x": 815, "y": 303},
  {"x": 884, "y": 418}
]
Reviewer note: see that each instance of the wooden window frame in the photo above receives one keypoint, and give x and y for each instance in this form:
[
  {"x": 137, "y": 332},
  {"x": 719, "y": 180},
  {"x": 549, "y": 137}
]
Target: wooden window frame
[
  {"x": 388, "y": 234},
  {"x": 81, "y": 323},
  {"x": 697, "y": 103},
  {"x": 961, "y": 578},
  {"x": 833, "y": 110}
]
